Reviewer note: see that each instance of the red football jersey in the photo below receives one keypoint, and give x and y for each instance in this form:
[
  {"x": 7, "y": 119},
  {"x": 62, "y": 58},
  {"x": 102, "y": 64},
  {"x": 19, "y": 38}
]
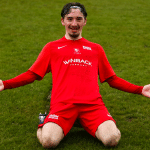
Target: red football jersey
[{"x": 75, "y": 66}]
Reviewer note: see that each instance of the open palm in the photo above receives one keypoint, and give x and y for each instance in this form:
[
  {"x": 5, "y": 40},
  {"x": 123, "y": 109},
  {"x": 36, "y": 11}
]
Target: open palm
[
  {"x": 1, "y": 85},
  {"x": 146, "y": 90}
]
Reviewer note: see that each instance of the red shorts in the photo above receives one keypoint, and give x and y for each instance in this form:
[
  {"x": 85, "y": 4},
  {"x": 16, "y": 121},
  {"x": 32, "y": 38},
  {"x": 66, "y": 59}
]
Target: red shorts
[{"x": 90, "y": 116}]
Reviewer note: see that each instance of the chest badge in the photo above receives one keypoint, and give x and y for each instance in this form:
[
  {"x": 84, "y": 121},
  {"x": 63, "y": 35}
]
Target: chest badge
[{"x": 77, "y": 51}]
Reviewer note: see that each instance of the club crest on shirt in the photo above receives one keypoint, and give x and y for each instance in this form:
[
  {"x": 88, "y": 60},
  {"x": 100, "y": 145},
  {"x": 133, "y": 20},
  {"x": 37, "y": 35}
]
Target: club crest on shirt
[{"x": 77, "y": 51}]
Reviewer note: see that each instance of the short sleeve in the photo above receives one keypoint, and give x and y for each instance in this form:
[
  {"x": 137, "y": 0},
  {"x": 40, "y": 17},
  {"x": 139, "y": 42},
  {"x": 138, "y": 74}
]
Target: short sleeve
[
  {"x": 104, "y": 68},
  {"x": 42, "y": 65}
]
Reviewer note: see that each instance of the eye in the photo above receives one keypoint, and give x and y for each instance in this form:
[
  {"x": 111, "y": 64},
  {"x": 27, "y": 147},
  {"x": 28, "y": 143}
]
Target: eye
[
  {"x": 79, "y": 18},
  {"x": 69, "y": 18}
]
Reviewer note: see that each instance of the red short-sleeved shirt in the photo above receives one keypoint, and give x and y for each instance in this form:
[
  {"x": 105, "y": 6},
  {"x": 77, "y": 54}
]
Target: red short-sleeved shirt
[{"x": 75, "y": 66}]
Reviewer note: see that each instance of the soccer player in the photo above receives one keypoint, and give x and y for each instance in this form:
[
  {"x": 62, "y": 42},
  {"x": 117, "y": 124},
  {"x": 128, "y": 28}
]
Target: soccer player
[{"x": 75, "y": 64}]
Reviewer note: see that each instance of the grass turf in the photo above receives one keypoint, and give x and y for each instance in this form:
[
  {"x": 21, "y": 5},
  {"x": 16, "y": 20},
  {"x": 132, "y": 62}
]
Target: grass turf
[{"x": 121, "y": 27}]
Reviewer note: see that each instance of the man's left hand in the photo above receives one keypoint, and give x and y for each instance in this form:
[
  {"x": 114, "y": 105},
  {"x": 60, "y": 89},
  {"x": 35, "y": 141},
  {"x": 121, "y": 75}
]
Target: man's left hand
[{"x": 146, "y": 90}]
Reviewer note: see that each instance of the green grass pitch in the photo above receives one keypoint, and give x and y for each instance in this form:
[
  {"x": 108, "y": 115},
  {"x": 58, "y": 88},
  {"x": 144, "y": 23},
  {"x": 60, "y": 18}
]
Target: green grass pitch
[{"x": 121, "y": 27}]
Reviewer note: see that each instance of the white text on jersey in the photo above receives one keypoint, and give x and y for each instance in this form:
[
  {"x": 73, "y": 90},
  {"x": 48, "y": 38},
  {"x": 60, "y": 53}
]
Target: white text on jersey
[
  {"x": 77, "y": 62},
  {"x": 87, "y": 48},
  {"x": 53, "y": 116}
]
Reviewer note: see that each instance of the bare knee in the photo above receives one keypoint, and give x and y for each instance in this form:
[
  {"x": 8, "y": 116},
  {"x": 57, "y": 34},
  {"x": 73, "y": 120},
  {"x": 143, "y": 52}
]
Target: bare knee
[
  {"x": 39, "y": 135},
  {"x": 112, "y": 140},
  {"x": 49, "y": 142},
  {"x": 108, "y": 133},
  {"x": 52, "y": 134}
]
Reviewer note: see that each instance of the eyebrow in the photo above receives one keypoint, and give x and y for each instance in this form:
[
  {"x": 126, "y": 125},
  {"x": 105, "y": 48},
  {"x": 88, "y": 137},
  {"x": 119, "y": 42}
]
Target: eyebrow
[{"x": 76, "y": 17}]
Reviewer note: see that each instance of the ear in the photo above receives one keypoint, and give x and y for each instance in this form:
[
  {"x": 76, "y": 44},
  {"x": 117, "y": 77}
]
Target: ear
[
  {"x": 85, "y": 21},
  {"x": 62, "y": 21}
]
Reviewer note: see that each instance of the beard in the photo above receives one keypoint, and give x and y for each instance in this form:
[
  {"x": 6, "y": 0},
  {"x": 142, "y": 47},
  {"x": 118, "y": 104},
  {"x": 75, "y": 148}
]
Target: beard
[{"x": 74, "y": 35}]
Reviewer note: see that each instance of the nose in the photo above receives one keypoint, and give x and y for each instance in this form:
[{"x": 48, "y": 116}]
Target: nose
[{"x": 74, "y": 22}]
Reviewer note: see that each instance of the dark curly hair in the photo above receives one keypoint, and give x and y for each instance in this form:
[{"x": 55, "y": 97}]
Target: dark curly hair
[{"x": 75, "y": 5}]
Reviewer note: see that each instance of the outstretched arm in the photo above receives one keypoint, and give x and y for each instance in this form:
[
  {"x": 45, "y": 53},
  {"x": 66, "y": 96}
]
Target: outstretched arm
[
  {"x": 146, "y": 90},
  {"x": 21, "y": 80},
  {"x": 123, "y": 85},
  {"x": 1, "y": 85}
]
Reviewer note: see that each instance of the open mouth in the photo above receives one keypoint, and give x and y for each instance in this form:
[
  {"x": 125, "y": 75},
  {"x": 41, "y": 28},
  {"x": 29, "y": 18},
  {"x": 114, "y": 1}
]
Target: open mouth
[
  {"x": 74, "y": 31},
  {"x": 74, "y": 28}
]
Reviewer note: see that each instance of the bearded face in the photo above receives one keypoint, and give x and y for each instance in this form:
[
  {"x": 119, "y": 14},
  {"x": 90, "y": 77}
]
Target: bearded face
[{"x": 74, "y": 22}]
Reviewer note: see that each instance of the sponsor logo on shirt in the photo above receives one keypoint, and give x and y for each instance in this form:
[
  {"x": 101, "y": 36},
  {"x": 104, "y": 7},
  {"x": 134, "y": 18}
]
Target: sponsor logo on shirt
[
  {"x": 77, "y": 62},
  {"x": 87, "y": 48},
  {"x": 109, "y": 115},
  {"x": 62, "y": 47},
  {"x": 53, "y": 116}
]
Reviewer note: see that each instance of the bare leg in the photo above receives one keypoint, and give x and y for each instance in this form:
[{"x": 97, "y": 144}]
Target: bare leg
[
  {"x": 39, "y": 135},
  {"x": 50, "y": 135},
  {"x": 108, "y": 133}
]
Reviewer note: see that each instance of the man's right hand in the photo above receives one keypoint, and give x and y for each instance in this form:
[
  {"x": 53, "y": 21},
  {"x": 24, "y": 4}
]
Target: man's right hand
[{"x": 1, "y": 85}]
